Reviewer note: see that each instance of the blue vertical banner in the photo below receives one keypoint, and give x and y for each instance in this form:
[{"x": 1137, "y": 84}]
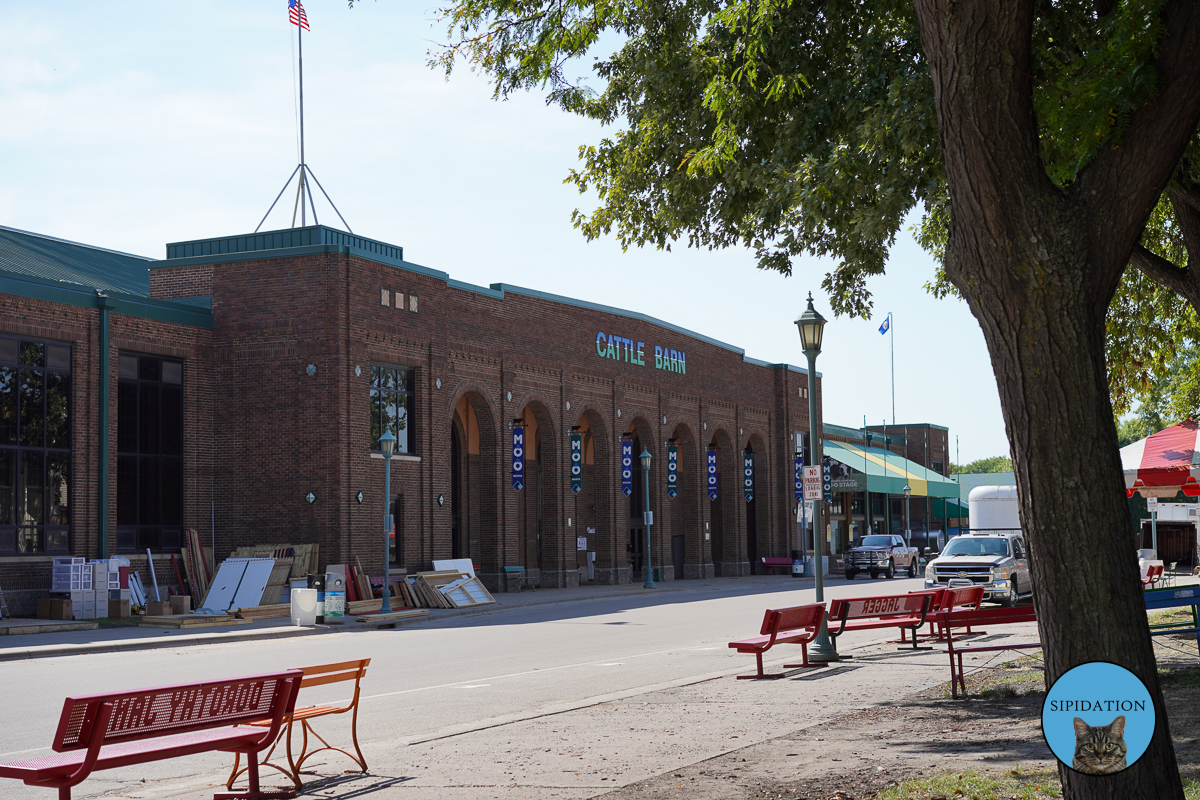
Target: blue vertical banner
[
  {"x": 712, "y": 474},
  {"x": 518, "y": 462},
  {"x": 627, "y": 467},
  {"x": 826, "y": 481},
  {"x": 576, "y": 463},
  {"x": 672, "y": 470},
  {"x": 799, "y": 479},
  {"x": 748, "y": 475}
]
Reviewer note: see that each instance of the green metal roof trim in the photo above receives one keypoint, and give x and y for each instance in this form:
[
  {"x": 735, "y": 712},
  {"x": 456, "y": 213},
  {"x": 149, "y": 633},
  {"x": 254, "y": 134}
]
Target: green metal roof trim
[
  {"x": 276, "y": 240},
  {"x": 320, "y": 239},
  {"x": 72, "y": 294},
  {"x": 949, "y": 507},
  {"x": 888, "y": 473},
  {"x": 62, "y": 261}
]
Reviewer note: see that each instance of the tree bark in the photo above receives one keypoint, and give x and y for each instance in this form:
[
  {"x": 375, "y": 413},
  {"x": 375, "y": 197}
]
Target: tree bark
[{"x": 1038, "y": 266}]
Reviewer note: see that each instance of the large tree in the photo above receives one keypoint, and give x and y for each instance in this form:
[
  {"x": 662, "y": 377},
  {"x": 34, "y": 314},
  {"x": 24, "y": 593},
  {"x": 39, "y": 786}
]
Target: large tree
[{"x": 1040, "y": 134}]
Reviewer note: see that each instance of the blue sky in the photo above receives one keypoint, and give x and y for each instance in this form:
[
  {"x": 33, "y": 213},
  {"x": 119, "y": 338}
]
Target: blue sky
[{"x": 129, "y": 125}]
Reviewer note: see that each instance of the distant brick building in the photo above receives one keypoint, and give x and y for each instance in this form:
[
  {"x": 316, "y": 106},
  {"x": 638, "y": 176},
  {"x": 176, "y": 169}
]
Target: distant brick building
[{"x": 248, "y": 380}]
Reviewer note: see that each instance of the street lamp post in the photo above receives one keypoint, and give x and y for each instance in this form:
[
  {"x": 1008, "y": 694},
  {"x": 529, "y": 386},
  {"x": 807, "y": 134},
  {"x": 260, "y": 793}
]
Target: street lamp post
[
  {"x": 647, "y": 514},
  {"x": 387, "y": 443},
  {"x": 907, "y": 517},
  {"x": 812, "y": 328}
]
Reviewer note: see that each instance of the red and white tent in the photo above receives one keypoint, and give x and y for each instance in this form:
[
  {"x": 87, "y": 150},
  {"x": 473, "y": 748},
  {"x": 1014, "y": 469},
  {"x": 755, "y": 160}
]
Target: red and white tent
[{"x": 1164, "y": 463}]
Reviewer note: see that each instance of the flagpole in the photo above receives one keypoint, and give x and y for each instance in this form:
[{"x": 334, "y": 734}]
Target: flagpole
[
  {"x": 891, "y": 323},
  {"x": 300, "y": 51}
]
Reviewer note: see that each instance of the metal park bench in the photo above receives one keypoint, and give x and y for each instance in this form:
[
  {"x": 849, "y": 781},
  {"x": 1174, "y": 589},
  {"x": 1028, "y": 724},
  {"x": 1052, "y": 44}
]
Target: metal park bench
[
  {"x": 777, "y": 563},
  {"x": 313, "y": 676},
  {"x": 1180, "y": 597},
  {"x": 105, "y": 731},
  {"x": 518, "y": 575},
  {"x": 796, "y": 625},
  {"x": 904, "y": 611},
  {"x": 964, "y": 617}
]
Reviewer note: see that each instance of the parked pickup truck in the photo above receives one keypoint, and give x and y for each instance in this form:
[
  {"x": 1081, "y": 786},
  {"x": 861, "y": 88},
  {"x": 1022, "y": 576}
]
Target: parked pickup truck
[
  {"x": 881, "y": 555},
  {"x": 997, "y": 560}
]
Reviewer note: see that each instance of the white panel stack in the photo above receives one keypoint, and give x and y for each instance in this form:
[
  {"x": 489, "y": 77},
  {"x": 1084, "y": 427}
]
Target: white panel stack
[{"x": 70, "y": 575}]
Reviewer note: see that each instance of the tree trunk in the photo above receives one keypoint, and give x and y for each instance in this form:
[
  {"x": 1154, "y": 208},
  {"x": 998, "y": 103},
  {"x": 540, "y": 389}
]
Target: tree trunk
[{"x": 1039, "y": 266}]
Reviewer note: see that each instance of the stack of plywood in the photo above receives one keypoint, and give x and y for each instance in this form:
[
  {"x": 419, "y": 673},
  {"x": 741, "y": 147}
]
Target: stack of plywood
[
  {"x": 304, "y": 556},
  {"x": 443, "y": 589},
  {"x": 196, "y": 563}
]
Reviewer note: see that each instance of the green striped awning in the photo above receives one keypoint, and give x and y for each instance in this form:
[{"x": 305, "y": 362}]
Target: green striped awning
[{"x": 882, "y": 471}]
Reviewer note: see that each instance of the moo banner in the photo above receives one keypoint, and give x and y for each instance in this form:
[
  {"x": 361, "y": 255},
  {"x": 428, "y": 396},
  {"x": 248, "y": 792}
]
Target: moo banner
[
  {"x": 576, "y": 463},
  {"x": 712, "y": 474},
  {"x": 748, "y": 476},
  {"x": 627, "y": 467},
  {"x": 799, "y": 480},
  {"x": 672, "y": 470},
  {"x": 518, "y": 462}
]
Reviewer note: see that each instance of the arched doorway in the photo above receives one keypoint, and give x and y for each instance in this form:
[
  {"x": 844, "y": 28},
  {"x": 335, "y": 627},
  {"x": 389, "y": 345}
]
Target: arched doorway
[
  {"x": 593, "y": 503},
  {"x": 727, "y": 555},
  {"x": 474, "y": 531},
  {"x": 635, "y": 545},
  {"x": 540, "y": 549},
  {"x": 758, "y": 541},
  {"x": 689, "y": 556}
]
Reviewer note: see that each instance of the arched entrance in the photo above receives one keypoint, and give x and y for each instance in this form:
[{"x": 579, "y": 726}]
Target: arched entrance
[
  {"x": 540, "y": 548},
  {"x": 689, "y": 556},
  {"x": 473, "y": 530},
  {"x": 756, "y": 508},
  {"x": 635, "y": 545},
  {"x": 597, "y": 562},
  {"x": 727, "y": 555}
]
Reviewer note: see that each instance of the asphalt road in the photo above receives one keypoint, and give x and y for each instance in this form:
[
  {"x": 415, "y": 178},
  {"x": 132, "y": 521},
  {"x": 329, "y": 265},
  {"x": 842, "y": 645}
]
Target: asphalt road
[{"x": 437, "y": 680}]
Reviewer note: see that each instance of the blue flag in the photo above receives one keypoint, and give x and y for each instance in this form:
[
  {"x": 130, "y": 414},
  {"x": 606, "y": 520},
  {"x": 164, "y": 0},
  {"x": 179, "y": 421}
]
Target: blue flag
[{"x": 887, "y": 323}]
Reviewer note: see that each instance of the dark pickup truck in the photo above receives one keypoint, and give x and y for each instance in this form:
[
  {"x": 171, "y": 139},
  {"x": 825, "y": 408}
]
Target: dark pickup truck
[{"x": 881, "y": 555}]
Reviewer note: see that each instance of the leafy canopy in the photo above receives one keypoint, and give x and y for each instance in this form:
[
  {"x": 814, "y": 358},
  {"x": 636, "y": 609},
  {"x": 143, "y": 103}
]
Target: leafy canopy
[
  {"x": 983, "y": 465},
  {"x": 792, "y": 128}
]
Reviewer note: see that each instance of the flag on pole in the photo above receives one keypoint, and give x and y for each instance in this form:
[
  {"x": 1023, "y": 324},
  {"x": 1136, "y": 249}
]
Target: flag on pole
[
  {"x": 296, "y": 14},
  {"x": 887, "y": 323}
]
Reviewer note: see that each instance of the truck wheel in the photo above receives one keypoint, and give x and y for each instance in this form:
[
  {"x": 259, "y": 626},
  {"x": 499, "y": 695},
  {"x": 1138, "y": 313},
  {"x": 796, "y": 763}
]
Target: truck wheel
[
  {"x": 912, "y": 568},
  {"x": 890, "y": 572},
  {"x": 850, "y": 574},
  {"x": 1011, "y": 596}
]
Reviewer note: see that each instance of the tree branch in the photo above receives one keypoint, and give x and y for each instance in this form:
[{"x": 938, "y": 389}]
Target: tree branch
[{"x": 1178, "y": 279}]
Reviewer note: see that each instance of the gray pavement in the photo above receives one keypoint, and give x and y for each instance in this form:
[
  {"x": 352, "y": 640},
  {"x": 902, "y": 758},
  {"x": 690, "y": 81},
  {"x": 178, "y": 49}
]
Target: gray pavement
[{"x": 544, "y": 695}]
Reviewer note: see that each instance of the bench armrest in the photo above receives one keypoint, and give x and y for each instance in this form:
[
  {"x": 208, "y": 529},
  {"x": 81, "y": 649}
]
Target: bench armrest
[
  {"x": 281, "y": 709},
  {"x": 95, "y": 741}
]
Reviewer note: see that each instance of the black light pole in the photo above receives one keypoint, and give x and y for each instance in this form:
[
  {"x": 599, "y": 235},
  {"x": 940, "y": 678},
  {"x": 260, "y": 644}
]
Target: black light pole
[
  {"x": 812, "y": 328},
  {"x": 387, "y": 443},
  {"x": 648, "y": 515}
]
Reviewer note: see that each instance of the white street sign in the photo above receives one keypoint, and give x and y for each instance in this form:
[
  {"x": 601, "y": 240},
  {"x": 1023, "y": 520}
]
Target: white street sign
[{"x": 812, "y": 483}]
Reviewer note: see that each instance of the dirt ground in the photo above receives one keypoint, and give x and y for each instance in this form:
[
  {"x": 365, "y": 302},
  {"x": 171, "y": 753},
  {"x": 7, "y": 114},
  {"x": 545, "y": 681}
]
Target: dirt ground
[{"x": 857, "y": 755}]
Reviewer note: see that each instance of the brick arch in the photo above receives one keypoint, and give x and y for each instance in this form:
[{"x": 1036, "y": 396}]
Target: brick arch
[
  {"x": 629, "y": 510},
  {"x": 759, "y": 541},
  {"x": 686, "y": 517},
  {"x": 727, "y": 544},
  {"x": 541, "y": 547},
  {"x": 477, "y": 475},
  {"x": 594, "y": 504}
]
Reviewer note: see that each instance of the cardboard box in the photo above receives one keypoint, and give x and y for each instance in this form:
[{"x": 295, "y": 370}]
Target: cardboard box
[
  {"x": 181, "y": 604},
  {"x": 54, "y": 608},
  {"x": 158, "y": 608},
  {"x": 118, "y": 609}
]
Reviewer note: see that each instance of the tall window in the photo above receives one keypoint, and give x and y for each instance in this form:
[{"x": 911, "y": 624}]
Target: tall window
[
  {"x": 391, "y": 395},
  {"x": 149, "y": 454},
  {"x": 35, "y": 447}
]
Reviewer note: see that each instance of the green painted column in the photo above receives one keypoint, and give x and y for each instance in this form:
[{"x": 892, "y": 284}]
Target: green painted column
[{"x": 105, "y": 305}]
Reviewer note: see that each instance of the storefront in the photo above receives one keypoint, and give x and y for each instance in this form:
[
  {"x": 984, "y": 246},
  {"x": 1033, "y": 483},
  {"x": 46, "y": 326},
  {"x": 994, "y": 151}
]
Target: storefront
[{"x": 248, "y": 380}]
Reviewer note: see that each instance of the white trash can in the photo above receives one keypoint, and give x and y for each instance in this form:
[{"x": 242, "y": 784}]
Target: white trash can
[{"x": 304, "y": 607}]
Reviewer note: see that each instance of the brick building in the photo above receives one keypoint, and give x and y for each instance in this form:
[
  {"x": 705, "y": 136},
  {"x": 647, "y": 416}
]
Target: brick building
[{"x": 248, "y": 379}]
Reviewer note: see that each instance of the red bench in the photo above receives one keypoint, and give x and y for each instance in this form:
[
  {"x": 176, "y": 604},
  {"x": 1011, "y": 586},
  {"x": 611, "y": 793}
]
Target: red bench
[
  {"x": 960, "y": 597},
  {"x": 1153, "y": 576},
  {"x": 777, "y": 563},
  {"x": 796, "y": 625},
  {"x": 982, "y": 616},
  {"x": 104, "y": 731},
  {"x": 885, "y": 611}
]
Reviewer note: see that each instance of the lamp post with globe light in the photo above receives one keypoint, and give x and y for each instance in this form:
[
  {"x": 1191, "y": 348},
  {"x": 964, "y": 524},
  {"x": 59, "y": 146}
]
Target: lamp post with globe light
[{"x": 387, "y": 444}]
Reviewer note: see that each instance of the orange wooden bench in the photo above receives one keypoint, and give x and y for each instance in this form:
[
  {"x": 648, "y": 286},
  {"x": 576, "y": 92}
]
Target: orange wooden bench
[{"x": 314, "y": 676}]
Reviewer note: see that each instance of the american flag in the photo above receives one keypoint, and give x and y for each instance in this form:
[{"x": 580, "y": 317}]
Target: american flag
[{"x": 296, "y": 14}]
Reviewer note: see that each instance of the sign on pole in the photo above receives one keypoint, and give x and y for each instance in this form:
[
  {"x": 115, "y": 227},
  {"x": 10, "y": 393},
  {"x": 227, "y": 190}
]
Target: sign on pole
[
  {"x": 576, "y": 463},
  {"x": 518, "y": 458},
  {"x": 627, "y": 467},
  {"x": 672, "y": 470},
  {"x": 812, "y": 483},
  {"x": 826, "y": 482},
  {"x": 799, "y": 478}
]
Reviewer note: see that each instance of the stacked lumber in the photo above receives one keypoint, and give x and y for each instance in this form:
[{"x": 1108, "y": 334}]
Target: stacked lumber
[
  {"x": 181, "y": 621},
  {"x": 394, "y": 615},
  {"x": 304, "y": 556},
  {"x": 430, "y": 590},
  {"x": 281, "y": 610},
  {"x": 196, "y": 563}
]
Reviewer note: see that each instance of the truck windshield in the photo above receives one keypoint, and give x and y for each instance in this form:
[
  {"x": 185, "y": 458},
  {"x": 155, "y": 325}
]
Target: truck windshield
[
  {"x": 875, "y": 541},
  {"x": 976, "y": 547}
]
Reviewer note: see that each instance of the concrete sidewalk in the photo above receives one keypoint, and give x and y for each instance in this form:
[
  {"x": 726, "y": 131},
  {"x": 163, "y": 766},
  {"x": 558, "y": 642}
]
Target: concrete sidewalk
[{"x": 132, "y": 638}]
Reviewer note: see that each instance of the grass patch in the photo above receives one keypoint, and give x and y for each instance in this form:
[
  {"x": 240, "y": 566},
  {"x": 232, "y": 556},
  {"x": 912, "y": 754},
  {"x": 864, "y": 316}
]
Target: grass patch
[
  {"x": 1001, "y": 692},
  {"x": 1179, "y": 677},
  {"x": 1171, "y": 615},
  {"x": 976, "y": 785},
  {"x": 1016, "y": 784}
]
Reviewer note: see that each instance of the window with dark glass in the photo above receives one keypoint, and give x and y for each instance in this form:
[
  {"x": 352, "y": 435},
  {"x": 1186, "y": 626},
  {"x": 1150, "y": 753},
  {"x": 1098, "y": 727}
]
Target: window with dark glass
[
  {"x": 391, "y": 400},
  {"x": 149, "y": 453},
  {"x": 35, "y": 447}
]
